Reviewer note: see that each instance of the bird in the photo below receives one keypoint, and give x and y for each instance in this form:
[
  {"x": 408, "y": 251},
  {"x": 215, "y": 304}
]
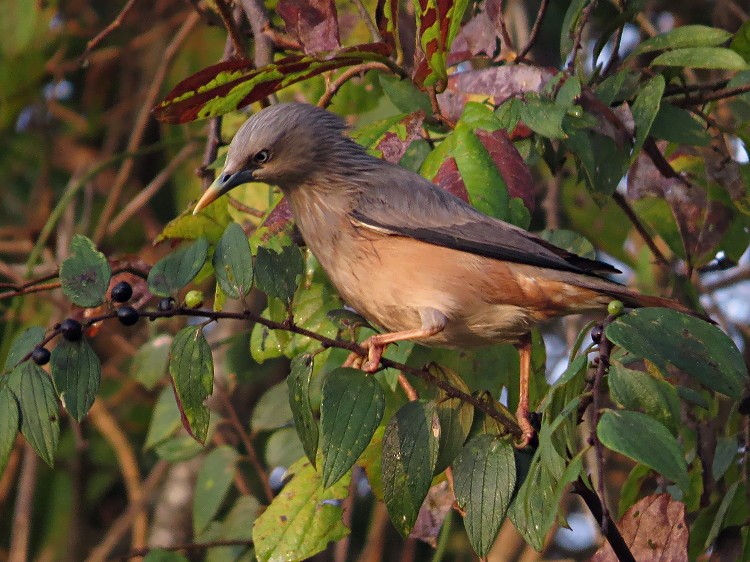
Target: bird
[{"x": 407, "y": 255}]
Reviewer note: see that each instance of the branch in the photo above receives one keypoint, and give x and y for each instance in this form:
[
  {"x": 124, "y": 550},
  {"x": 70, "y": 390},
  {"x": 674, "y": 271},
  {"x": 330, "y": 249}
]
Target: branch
[
  {"x": 234, "y": 36},
  {"x": 628, "y": 210},
  {"x": 117, "y": 22},
  {"x": 258, "y": 17},
  {"x": 347, "y": 75},
  {"x": 578, "y": 37},
  {"x": 712, "y": 96},
  {"x": 23, "y": 510},
  {"x": 374, "y": 32},
  {"x": 534, "y": 31},
  {"x": 140, "y": 552}
]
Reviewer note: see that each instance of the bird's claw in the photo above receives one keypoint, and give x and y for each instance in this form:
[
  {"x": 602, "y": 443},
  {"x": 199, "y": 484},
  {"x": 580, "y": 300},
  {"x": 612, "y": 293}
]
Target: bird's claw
[
  {"x": 370, "y": 364},
  {"x": 528, "y": 433}
]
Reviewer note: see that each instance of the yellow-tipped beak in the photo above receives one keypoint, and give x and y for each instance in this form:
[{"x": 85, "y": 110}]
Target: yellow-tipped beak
[{"x": 225, "y": 182}]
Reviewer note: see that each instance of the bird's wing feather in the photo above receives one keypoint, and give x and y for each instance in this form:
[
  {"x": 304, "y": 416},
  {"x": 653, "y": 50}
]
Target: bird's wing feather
[{"x": 407, "y": 205}]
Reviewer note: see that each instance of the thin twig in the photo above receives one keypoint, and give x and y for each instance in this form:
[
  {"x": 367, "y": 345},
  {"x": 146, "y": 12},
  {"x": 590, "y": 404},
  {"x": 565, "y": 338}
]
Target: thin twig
[
  {"x": 234, "y": 36},
  {"x": 139, "y": 128},
  {"x": 605, "y": 348},
  {"x": 373, "y": 29},
  {"x": 245, "y": 209},
  {"x": 436, "y": 111},
  {"x": 188, "y": 546},
  {"x": 347, "y": 75},
  {"x": 578, "y": 37},
  {"x": 259, "y": 22},
  {"x": 711, "y": 96},
  {"x": 625, "y": 206},
  {"x": 23, "y": 510},
  {"x": 145, "y": 195},
  {"x": 534, "y": 30},
  {"x": 504, "y": 28},
  {"x": 117, "y": 22}
]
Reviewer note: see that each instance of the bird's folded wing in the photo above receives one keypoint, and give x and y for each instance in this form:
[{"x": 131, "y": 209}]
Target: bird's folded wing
[{"x": 402, "y": 203}]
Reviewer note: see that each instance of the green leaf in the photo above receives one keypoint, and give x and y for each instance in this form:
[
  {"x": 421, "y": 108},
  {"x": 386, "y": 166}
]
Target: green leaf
[
  {"x": 485, "y": 478},
  {"x": 544, "y": 117},
  {"x": 678, "y": 125},
  {"x": 301, "y": 521},
  {"x": 741, "y": 41},
  {"x": 645, "y": 108},
  {"x": 191, "y": 367},
  {"x": 39, "y": 413},
  {"x": 410, "y": 449},
  {"x": 404, "y": 95},
  {"x": 230, "y": 85},
  {"x": 236, "y": 526},
  {"x": 233, "y": 262},
  {"x": 570, "y": 24},
  {"x": 23, "y": 344},
  {"x": 85, "y": 274},
  {"x": 350, "y": 412},
  {"x": 276, "y": 273},
  {"x": 636, "y": 390},
  {"x": 151, "y": 360},
  {"x": 702, "y": 57},
  {"x": 571, "y": 241},
  {"x": 214, "y": 480},
  {"x": 682, "y": 37},
  {"x": 455, "y": 417},
  {"x": 165, "y": 419},
  {"x": 437, "y": 25},
  {"x": 10, "y": 418},
  {"x": 298, "y": 382},
  {"x": 174, "y": 271},
  {"x": 272, "y": 410},
  {"x": 161, "y": 555},
  {"x": 602, "y": 162},
  {"x": 721, "y": 514},
  {"x": 283, "y": 448},
  {"x": 77, "y": 372},
  {"x": 726, "y": 450},
  {"x": 702, "y": 351},
  {"x": 645, "y": 440}
]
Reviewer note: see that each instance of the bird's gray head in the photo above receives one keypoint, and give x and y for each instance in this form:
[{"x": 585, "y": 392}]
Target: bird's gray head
[{"x": 286, "y": 145}]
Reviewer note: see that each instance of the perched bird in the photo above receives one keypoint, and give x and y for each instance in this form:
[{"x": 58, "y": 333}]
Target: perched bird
[{"x": 407, "y": 255}]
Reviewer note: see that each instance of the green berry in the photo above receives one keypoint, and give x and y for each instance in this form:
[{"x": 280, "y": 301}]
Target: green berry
[
  {"x": 194, "y": 299},
  {"x": 615, "y": 308}
]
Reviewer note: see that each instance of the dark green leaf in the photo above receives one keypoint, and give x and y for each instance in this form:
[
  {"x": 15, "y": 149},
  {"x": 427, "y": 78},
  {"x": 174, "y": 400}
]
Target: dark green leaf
[
  {"x": 284, "y": 448},
  {"x": 298, "y": 382},
  {"x": 410, "y": 449},
  {"x": 544, "y": 117},
  {"x": 485, "y": 477},
  {"x": 681, "y": 37},
  {"x": 678, "y": 125},
  {"x": 301, "y": 521},
  {"x": 23, "y": 344},
  {"x": 645, "y": 108},
  {"x": 213, "y": 483},
  {"x": 571, "y": 241},
  {"x": 165, "y": 419},
  {"x": 726, "y": 451},
  {"x": 160, "y": 555},
  {"x": 602, "y": 162},
  {"x": 644, "y": 440},
  {"x": 350, "y": 412},
  {"x": 696, "y": 347},
  {"x": 236, "y": 526},
  {"x": 741, "y": 41},
  {"x": 77, "y": 371},
  {"x": 191, "y": 367},
  {"x": 455, "y": 417},
  {"x": 570, "y": 25},
  {"x": 276, "y": 273},
  {"x": 84, "y": 276},
  {"x": 39, "y": 413},
  {"x": 721, "y": 514},
  {"x": 233, "y": 262},
  {"x": 10, "y": 417},
  {"x": 150, "y": 361},
  {"x": 636, "y": 390},
  {"x": 702, "y": 57},
  {"x": 174, "y": 271},
  {"x": 404, "y": 95}
]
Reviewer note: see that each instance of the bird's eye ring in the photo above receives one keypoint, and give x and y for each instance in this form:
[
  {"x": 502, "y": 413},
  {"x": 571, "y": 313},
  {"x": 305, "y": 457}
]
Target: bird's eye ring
[{"x": 262, "y": 157}]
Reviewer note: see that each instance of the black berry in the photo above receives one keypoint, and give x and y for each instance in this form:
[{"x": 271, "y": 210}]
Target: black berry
[
  {"x": 166, "y": 304},
  {"x": 596, "y": 333},
  {"x": 127, "y": 315},
  {"x": 122, "y": 292},
  {"x": 40, "y": 355},
  {"x": 71, "y": 329}
]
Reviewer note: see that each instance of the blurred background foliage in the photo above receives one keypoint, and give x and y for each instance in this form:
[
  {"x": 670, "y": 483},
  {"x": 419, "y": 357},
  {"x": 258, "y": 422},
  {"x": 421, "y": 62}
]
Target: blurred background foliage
[{"x": 81, "y": 153}]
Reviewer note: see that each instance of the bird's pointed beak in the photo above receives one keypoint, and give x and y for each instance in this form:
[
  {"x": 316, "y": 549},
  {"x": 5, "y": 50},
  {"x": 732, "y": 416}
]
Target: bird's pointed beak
[{"x": 222, "y": 184}]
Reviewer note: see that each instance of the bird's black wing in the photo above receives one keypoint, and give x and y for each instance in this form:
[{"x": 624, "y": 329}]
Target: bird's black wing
[{"x": 400, "y": 202}]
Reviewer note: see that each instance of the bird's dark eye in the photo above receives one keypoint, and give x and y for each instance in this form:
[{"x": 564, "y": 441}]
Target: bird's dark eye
[{"x": 262, "y": 157}]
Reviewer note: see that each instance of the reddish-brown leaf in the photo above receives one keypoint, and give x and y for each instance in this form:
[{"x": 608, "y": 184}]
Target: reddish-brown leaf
[
  {"x": 435, "y": 508},
  {"x": 449, "y": 178},
  {"x": 230, "y": 85},
  {"x": 393, "y": 145},
  {"x": 510, "y": 163},
  {"x": 654, "y": 530},
  {"x": 477, "y": 37},
  {"x": 280, "y": 218},
  {"x": 386, "y": 18},
  {"x": 496, "y": 84},
  {"x": 313, "y": 23}
]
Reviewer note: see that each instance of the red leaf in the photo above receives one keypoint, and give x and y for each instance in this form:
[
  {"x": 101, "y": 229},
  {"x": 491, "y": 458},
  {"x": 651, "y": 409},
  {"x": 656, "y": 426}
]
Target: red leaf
[
  {"x": 280, "y": 218},
  {"x": 449, "y": 178},
  {"x": 510, "y": 163},
  {"x": 496, "y": 84},
  {"x": 392, "y": 146},
  {"x": 313, "y": 23},
  {"x": 386, "y": 18},
  {"x": 233, "y": 84},
  {"x": 654, "y": 529},
  {"x": 477, "y": 37}
]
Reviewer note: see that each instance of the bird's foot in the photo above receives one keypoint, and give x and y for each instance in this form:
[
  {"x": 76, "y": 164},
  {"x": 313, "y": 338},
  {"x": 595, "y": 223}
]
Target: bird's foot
[
  {"x": 528, "y": 433},
  {"x": 370, "y": 364}
]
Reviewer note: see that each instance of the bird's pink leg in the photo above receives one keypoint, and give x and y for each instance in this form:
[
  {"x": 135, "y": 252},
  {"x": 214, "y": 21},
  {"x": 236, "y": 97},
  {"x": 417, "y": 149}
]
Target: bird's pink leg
[
  {"x": 522, "y": 412},
  {"x": 433, "y": 322}
]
